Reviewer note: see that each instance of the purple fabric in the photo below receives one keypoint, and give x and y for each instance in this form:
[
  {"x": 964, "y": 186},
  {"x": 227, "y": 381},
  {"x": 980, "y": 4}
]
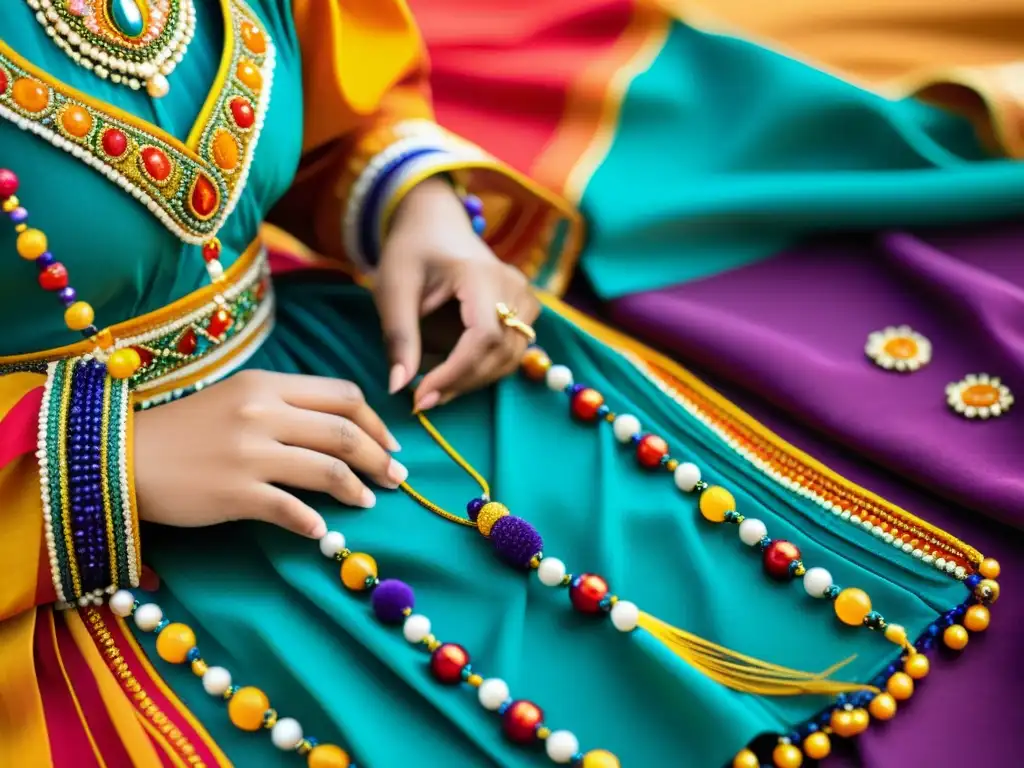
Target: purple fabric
[{"x": 784, "y": 339}]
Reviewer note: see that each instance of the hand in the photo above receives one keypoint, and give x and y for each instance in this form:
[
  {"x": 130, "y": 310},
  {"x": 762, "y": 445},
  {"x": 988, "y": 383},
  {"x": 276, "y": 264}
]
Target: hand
[
  {"x": 431, "y": 257},
  {"x": 220, "y": 454}
]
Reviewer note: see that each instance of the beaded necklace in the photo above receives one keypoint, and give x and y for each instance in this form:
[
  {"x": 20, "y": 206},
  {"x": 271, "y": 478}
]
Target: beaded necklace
[{"x": 130, "y": 42}]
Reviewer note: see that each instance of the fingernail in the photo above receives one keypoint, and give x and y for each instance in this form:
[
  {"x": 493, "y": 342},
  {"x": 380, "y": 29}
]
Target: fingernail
[
  {"x": 396, "y": 379},
  {"x": 393, "y": 445},
  {"x": 428, "y": 401},
  {"x": 397, "y": 473},
  {"x": 319, "y": 530},
  {"x": 367, "y": 500}
]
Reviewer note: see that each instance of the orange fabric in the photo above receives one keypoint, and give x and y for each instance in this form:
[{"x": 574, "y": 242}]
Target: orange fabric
[
  {"x": 23, "y": 733},
  {"x": 26, "y": 577}
]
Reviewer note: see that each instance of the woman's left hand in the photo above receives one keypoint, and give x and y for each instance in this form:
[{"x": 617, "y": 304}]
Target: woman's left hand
[{"x": 432, "y": 256}]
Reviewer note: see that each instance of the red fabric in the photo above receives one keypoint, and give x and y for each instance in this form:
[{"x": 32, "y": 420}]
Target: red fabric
[
  {"x": 502, "y": 71},
  {"x": 19, "y": 426}
]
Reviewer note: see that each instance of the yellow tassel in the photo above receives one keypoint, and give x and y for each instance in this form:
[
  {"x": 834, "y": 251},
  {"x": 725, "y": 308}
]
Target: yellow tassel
[{"x": 745, "y": 673}]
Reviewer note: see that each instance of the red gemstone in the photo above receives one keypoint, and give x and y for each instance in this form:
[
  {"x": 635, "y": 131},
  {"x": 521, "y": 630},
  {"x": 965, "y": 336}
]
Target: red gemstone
[
  {"x": 585, "y": 404},
  {"x": 777, "y": 558},
  {"x": 219, "y": 323},
  {"x": 144, "y": 355},
  {"x": 243, "y": 113},
  {"x": 520, "y": 721},
  {"x": 205, "y": 197},
  {"x": 8, "y": 183},
  {"x": 3, "y": 81},
  {"x": 447, "y": 663},
  {"x": 156, "y": 163},
  {"x": 114, "y": 142},
  {"x": 54, "y": 277},
  {"x": 211, "y": 250},
  {"x": 650, "y": 451},
  {"x": 261, "y": 288},
  {"x": 587, "y": 591},
  {"x": 187, "y": 342}
]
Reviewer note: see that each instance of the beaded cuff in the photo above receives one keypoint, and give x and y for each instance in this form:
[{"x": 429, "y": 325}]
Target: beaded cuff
[{"x": 88, "y": 511}]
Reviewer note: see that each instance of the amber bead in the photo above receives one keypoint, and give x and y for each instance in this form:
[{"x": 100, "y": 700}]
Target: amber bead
[
  {"x": 917, "y": 666},
  {"x": 489, "y": 514},
  {"x": 328, "y": 756},
  {"x": 253, "y": 38},
  {"x": 852, "y": 605},
  {"x": 817, "y": 746},
  {"x": 787, "y": 756},
  {"x": 356, "y": 569},
  {"x": 977, "y": 618},
  {"x": 31, "y": 95},
  {"x": 745, "y": 759},
  {"x": 123, "y": 363},
  {"x": 247, "y": 707},
  {"x": 896, "y": 633},
  {"x": 535, "y": 363},
  {"x": 79, "y": 316},
  {"x": 600, "y": 758},
  {"x": 225, "y": 150},
  {"x": 174, "y": 642},
  {"x": 989, "y": 568},
  {"x": 955, "y": 637},
  {"x": 586, "y": 403},
  {"x": 842, "y": 723},
  {"x": 860, "y": 720},
  {"x": 987, "y": 591},
  {"x": 31, "y": 244},
  {"x": 901, "y": 686},
  {"x": 883, "y": 707},
  {"x": 76, "y": 121},
  {"x": 250, "y": 76},
  {"x": 715, "y": 502}
]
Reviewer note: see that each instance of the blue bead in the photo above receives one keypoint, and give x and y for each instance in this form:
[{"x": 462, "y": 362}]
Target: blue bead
[
  {"x": 504, "y": 707},
  {"x": 602, "y": 410},
  {"x": 312, "y": 741},
  {"x": 933, "y": 630},
  {"x": 479, "y": 224},
  {"x": 474, "y": 205},
  {"x": 162, "y": 625},
  {"x": 765, "y": 542},
  {"x": 972, "y": 581},
  {"x": 811, "y": 727},
  {"x": 44, "y": 260},
  {"x": 193, "y": 653},
  {"x": 574, "y": 388},
  {"x": 19, "y": 215}
]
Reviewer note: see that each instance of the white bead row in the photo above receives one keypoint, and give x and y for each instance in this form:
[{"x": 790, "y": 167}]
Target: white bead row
[
  {"x": 44, "y": 484},
  {"x": 946, "y": 566}
]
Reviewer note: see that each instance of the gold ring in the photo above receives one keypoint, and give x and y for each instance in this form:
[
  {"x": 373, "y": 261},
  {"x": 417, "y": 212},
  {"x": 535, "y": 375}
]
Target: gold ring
[{"x": 508, "y": 317}]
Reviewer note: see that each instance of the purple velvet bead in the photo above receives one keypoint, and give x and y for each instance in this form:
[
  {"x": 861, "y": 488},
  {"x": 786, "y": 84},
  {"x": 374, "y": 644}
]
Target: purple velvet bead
[
  {"x": 390, "y": 600},
  {"x": 19, "y": 215},
  {"x": 516, "y": 541},
  {"x": 67, "y": 296},
  {"x": 474, "y": 507}
]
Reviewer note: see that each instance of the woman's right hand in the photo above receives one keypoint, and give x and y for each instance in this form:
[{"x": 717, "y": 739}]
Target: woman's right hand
[{"x": 222, "y": 453}]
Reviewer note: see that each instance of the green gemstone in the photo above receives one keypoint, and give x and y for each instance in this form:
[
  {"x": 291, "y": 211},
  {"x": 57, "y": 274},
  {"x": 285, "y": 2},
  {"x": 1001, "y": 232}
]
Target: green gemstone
[{"x": 127, "y": 17}]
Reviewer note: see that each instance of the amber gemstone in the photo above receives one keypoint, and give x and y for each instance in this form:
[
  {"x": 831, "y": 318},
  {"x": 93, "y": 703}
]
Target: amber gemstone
[
  {"x": 242, "y": 112},
  {"x": 980, "y": 396},
  {"x": 156, "y": 163},
  {"x": 76, "y": 121},
  {"x": 205, "y": 197},
  {"x": 219, "y": 323},
  {"x": 30, "y": 95},
  {"x": 535, "y": 363},
  {"x": 253, "y": 38},
  {"x": 247, "y": 708},
  {"x": 187, "y": 343},
  {"x": 225, "y": 150},
  {"x": 114, "y": 142},
  {"x": 248, "y": 73}
]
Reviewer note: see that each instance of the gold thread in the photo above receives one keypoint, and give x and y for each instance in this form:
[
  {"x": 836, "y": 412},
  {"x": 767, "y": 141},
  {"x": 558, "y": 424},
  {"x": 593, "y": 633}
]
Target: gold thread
[
  {"x": 108, "y": 512},
  {"x": 62, "y": 456}
]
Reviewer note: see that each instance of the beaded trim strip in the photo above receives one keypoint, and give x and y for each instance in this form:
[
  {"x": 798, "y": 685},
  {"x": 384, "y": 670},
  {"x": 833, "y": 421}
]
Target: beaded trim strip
[
  {"x": 893, "y": 526},
  {"x": 190, "y": 189},
  {"x": 83, "y": 474}
]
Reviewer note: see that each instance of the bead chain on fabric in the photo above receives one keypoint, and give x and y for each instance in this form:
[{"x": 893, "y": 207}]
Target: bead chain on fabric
[{"x": 85, "y": 32}]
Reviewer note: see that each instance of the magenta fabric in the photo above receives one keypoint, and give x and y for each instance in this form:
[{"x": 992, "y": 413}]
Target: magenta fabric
[{"x": 784, "y": 338}]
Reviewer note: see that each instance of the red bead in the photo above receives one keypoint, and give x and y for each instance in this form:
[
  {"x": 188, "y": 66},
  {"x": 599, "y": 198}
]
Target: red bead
[
  {"x": 777, "y": 557},
  {"x": 187, "y": 343},
  {"x": 8, "y": 182},
  {"x": 587, "y": 591},
  {"x": 54, "y": 277},
  {"x": 211, "y": 250},
  {"x": 205, "y": 197},
  {"x": 3, "y": 82},
  {"x": 114, "y": 142},
  {"x": 520, "y": 721},
  {"x": 242, "y": 112},
  {"x": 156, "y": 163},
  {"x": 585, "y": 404},
  {"x": 650, "y": 450},
  {"x": 219, "y": 323},
  {"x": 447, "y": 663}
]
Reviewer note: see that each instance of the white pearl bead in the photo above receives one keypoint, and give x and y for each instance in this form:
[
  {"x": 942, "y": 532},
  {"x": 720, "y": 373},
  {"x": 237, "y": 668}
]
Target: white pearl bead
[
  {"x": 625, "y": 615},
  {"x": 492, "y": 693},
  {"x": 551, "y": 571},
  {"x": 558, "y": 378},
  {"x": 148, "y": 616},
  {"x": 561, "y": 746},
  {"x": 332, "y": 543},
  {"x": 216, "y": 680},
  {"x": 687, "y": 476},
  {"x": 816, "y": 581},
  {"x": 752, "y": 531},
  {"x": 121, "y": 603},
  {"x": 215, "y": 270},
  {"x": 625, "y": 426},
  {"x": 286, "y": 733},
  {"x": 416, "y": 628},
  {"x": 157, "y": 86}
]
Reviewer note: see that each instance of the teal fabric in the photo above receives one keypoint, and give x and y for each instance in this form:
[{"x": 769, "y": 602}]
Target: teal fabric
[
  {"x": 266, "y": 605},
  {"x": 766, "y": 150}
]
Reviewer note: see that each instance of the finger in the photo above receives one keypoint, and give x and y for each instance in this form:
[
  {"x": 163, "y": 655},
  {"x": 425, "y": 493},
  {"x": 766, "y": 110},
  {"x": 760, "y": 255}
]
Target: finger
[
  {"x": 398, "y": 294},
  {"x": 313, "y": 471},
  {"x": 495, "y": 366},
  {"x": 473, "y": 352},
  {"x": 277, "y": 506},
  {"x": 343, "y": 439},
  {"x": 343, "y": 398}
]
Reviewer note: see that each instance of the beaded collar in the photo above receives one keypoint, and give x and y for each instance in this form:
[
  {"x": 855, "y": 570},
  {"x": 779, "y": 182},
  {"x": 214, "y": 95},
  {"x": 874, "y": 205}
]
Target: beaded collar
[{"x": 190, "y": 186}]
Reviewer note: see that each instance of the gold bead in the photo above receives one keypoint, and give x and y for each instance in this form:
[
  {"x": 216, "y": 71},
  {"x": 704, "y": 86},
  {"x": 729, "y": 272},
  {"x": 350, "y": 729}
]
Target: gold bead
[
  {"x": 955, "y": 637},
  {"x": 78, "y": 316},
  {"x": 10, "y": 204},
  {"x": 123, "y": 363},
  {"x": 977, "y": 618},
  {"x": 987, "y": 591},
  {"x": 199, "y": 667},
  {"x": 489, "y": 514},
  {"x": 475, "y": 680},
  {"x": 715, "y": 502},
  {"x": 883, "y": 707},
  {"x": 900, "y": 685},
  {"x": 842, "y": 723},
  {"x": 745, "y": 759},
  {"x": 852, "y": 605},
  {"x": 356, "y": 569},
  {"x": 328, "y": 756},
  {"x": 989, "y": 568},
  {"x": 174, "y": 642},
  {"x": 31, "y": 244},
  {"x": 860, "y": 720},
  {"x": 896, "y": 633},
  {"x": 817, "y": 746},
  {"x": 917, "y": 666},
  {"x": 787, "y": 756},
  {"x": 543, "y": 732},
  {"x": 600, "y": 758},
  {"x": 247, "y": 707}
]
